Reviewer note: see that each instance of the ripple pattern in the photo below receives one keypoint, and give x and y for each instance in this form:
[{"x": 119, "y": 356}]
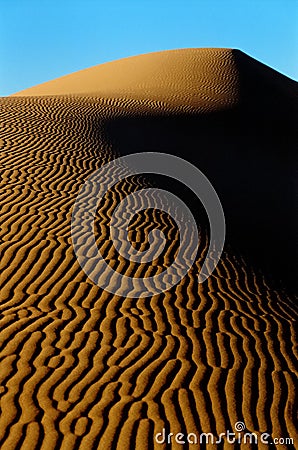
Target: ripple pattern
[{"x": 83, "y": 369}]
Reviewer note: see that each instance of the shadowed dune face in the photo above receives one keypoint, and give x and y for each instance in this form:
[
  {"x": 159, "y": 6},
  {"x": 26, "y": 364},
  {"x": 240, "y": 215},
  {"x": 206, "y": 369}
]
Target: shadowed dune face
[
  {"x": 81, "y": 368},
  {"x": 252, "y": 166}
]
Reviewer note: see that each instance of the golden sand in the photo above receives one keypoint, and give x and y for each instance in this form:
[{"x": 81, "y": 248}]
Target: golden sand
[{"x": 82, "y": 368}]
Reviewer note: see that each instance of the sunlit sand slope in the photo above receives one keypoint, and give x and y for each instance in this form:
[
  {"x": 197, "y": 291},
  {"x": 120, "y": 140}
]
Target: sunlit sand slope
[{"x": 82, "y": 368}]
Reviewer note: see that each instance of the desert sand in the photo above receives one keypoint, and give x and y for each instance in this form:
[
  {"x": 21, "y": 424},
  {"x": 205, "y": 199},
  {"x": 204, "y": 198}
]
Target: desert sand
[{"x": 84, "y": 369}]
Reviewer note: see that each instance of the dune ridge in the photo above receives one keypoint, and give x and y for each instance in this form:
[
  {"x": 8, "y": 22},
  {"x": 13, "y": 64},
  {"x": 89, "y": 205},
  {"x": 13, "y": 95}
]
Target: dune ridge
[{"x": 81, "y": 368}]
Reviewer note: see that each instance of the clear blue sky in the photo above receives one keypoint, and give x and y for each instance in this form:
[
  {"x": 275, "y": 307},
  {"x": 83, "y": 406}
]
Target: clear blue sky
[{"x": 44, "y": 39}]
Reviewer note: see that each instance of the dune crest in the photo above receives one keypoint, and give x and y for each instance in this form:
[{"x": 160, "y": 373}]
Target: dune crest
[{"x": 204, "y": 77}]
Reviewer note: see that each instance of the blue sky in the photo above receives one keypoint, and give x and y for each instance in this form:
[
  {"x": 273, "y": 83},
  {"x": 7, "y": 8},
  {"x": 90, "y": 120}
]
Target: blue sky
[{"x": 44, "y": 39}]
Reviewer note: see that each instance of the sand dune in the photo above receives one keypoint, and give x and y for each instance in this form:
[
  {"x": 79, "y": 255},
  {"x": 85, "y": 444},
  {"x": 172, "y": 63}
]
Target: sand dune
[{"x": 82, "y": 368}]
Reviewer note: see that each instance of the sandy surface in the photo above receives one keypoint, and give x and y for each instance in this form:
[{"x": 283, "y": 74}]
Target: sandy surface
[{"x": 82, "y": 368}]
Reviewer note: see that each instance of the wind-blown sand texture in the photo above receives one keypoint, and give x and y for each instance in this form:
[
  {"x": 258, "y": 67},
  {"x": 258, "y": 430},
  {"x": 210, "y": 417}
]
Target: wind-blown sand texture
[{"x": 82, "y": 368}]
